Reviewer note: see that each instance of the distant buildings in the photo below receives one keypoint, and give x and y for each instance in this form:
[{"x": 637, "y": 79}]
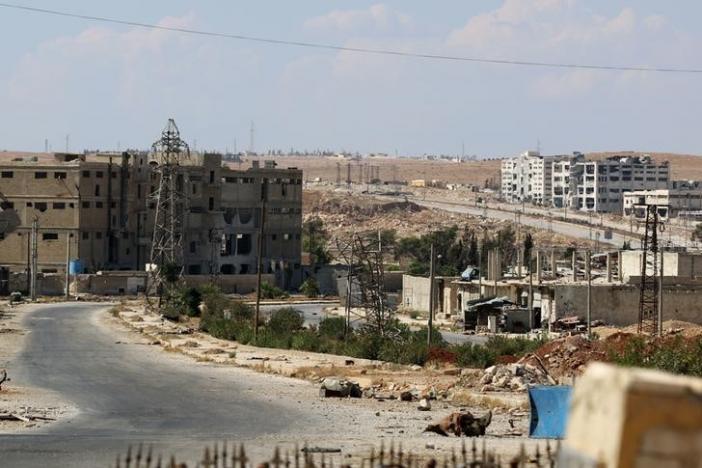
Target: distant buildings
[
  {"x": 681, "y": 199},
  {"x": 600, "y": 185},
  {"x": 572, "y": 181},
  {"x": 531, "y": 177},
  {"x": 98, "y": 208}
]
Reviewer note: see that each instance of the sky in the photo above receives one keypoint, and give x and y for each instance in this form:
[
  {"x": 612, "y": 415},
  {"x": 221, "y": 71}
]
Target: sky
[{"x": 112, "y": 86}]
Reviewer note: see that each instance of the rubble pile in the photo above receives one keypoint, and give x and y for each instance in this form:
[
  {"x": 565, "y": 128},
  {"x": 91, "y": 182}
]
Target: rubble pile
[
  {"x": 515, "y": 377},
  {"x": 566, "y": 357}
]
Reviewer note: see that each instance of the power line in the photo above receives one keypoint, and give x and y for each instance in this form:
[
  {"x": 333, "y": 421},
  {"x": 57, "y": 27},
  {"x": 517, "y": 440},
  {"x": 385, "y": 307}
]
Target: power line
[{"x": 362, "y": 50}]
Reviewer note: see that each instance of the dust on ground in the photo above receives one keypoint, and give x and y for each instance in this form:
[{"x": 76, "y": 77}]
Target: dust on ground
[{"x": 23, "y": 406}]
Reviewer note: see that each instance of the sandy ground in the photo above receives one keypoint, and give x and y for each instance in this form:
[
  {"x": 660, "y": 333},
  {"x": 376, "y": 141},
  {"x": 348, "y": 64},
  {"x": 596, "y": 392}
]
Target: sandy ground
[
  {"x": 355, "y": 425},
  {"x": 18, "y": 397}
]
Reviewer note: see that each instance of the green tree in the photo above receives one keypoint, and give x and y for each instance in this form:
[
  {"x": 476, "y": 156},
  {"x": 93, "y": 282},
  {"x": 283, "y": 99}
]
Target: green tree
[
  {"x": 310, "y": 288},
  {"x": 314, "y": 240}
]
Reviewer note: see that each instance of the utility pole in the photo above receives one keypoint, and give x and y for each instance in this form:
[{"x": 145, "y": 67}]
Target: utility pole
[
  {"x": 431, "y": 296},
  {"x": 33, "y": 281},
  {"x": 480, "y": 272},
  {"x": 530, "y": 302},
  {"x": 68, "y": 262},
  {"x": 264, "y": 198},
  {"x": 660, "y": 298},
  {"x": 349, "y": 291},
  {"x": 589, "y": 293}
]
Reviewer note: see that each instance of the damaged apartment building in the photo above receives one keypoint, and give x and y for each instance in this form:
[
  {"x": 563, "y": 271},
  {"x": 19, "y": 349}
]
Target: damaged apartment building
[{"x": 96, "y": 209}]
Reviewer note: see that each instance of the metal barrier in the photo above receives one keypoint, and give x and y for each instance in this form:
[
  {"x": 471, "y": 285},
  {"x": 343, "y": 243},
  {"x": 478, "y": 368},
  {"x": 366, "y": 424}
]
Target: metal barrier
[{"x": 234, "y": 455}]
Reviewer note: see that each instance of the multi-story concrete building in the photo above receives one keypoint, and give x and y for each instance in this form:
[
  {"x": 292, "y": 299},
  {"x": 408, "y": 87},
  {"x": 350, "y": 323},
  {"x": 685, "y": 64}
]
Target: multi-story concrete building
[
  {"x": 97, "y": 208},
  {"x": 682, "y": 198},
  {"x": 599, "y": 186},
  {"x": 524, "y": 178},
  {"x": 541, "y": 180}
]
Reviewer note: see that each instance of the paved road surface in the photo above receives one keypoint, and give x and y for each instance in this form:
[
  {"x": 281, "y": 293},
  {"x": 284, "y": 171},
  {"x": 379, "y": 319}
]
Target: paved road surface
[
  {"x": 569, "y": 229},
  {"x": 128, "y": 394}
]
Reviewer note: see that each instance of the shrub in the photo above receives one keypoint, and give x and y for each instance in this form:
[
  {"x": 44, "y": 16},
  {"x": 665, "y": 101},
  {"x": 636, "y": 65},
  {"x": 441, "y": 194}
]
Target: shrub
[
  {"x": 191, "y": 298},
  {"x": 476, "y": 356},
  {"x": 310, "y": 288},
  {"x": 501, "y": 346},
  {"x": 333, "y": 327},
  {"x": 268, "y": 339},
  {"x": 677, "y": 355},
  {"x": 307, "y": 340},
  {"x": 269, "y": 291},
  {"x": 285, "y": 321}
]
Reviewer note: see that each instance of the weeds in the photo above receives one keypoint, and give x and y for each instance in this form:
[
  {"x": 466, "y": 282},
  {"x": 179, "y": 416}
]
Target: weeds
[{"x": 677, "y": 355}]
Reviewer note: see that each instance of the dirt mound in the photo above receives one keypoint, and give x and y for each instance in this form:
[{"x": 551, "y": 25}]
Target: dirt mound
[{"x": 565, "y": 357}]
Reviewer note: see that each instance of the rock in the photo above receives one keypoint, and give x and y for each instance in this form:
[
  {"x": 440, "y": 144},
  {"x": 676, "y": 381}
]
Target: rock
[
  {"x": 415, "y": 367},
  {"x": 424, "y": 405},
  {"x": 454, "y": 371},
  {"x": 336, "y": 387},
  {"x": 406, "y": 396}
]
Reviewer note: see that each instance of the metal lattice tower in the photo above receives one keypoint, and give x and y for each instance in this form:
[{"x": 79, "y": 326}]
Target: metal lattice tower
[
  {"x": 171, "y": 206},
  {"x": 648, "y": 291}
]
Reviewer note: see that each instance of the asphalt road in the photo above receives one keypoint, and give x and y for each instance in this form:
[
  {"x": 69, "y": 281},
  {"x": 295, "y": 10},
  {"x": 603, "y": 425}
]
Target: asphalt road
[
  {"x": 128, "y": 394},
  {"x": 568, "y": 229}
]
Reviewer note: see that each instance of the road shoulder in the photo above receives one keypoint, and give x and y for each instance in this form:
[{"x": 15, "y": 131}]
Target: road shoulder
[{"x": 24, "y": 406}]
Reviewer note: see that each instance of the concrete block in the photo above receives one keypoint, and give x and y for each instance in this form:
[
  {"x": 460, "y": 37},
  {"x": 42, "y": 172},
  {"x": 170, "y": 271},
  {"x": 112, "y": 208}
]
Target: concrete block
[{"x": 634, "y": 417}]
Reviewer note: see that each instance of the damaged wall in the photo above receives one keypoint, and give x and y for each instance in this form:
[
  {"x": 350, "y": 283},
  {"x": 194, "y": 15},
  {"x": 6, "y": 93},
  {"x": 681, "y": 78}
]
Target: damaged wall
[{"x": 619, "y": 304}]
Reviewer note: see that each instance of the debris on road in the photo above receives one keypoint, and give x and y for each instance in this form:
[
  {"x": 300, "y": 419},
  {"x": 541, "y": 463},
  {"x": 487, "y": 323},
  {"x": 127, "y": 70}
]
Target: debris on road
[
  {"x": 461, "y": 424},
  {"x": 336, "y": 387},
  {"x": 3, "y": 377},
  {"x": 27, "y": 414}
]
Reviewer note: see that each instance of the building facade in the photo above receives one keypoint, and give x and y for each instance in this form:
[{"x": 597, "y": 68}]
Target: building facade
[
  {"x": 524, "y": 178},
  {"x": 682, "y": 199},
  {"x": 98, "y": 208},
  {"x": 537, "y": 179},
  {"x": 571, "y": 181},
  {"x": 599, "y": 186}
]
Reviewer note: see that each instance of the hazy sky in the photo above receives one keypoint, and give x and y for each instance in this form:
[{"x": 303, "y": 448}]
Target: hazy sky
[{"x": 105, "y": 84}]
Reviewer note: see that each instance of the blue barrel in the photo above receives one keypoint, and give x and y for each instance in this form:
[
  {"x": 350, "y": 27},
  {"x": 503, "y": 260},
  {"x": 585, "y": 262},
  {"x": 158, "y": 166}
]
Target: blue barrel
[
  {"x": 75, "y": 267},
  {"x": 549, "y": 407}
]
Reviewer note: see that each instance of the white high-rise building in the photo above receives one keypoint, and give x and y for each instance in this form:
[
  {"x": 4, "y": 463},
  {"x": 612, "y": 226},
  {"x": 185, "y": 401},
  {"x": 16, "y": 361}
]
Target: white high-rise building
[
  {"x": 523, "y": 178},
  {"x": 531, "y": 177}
]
